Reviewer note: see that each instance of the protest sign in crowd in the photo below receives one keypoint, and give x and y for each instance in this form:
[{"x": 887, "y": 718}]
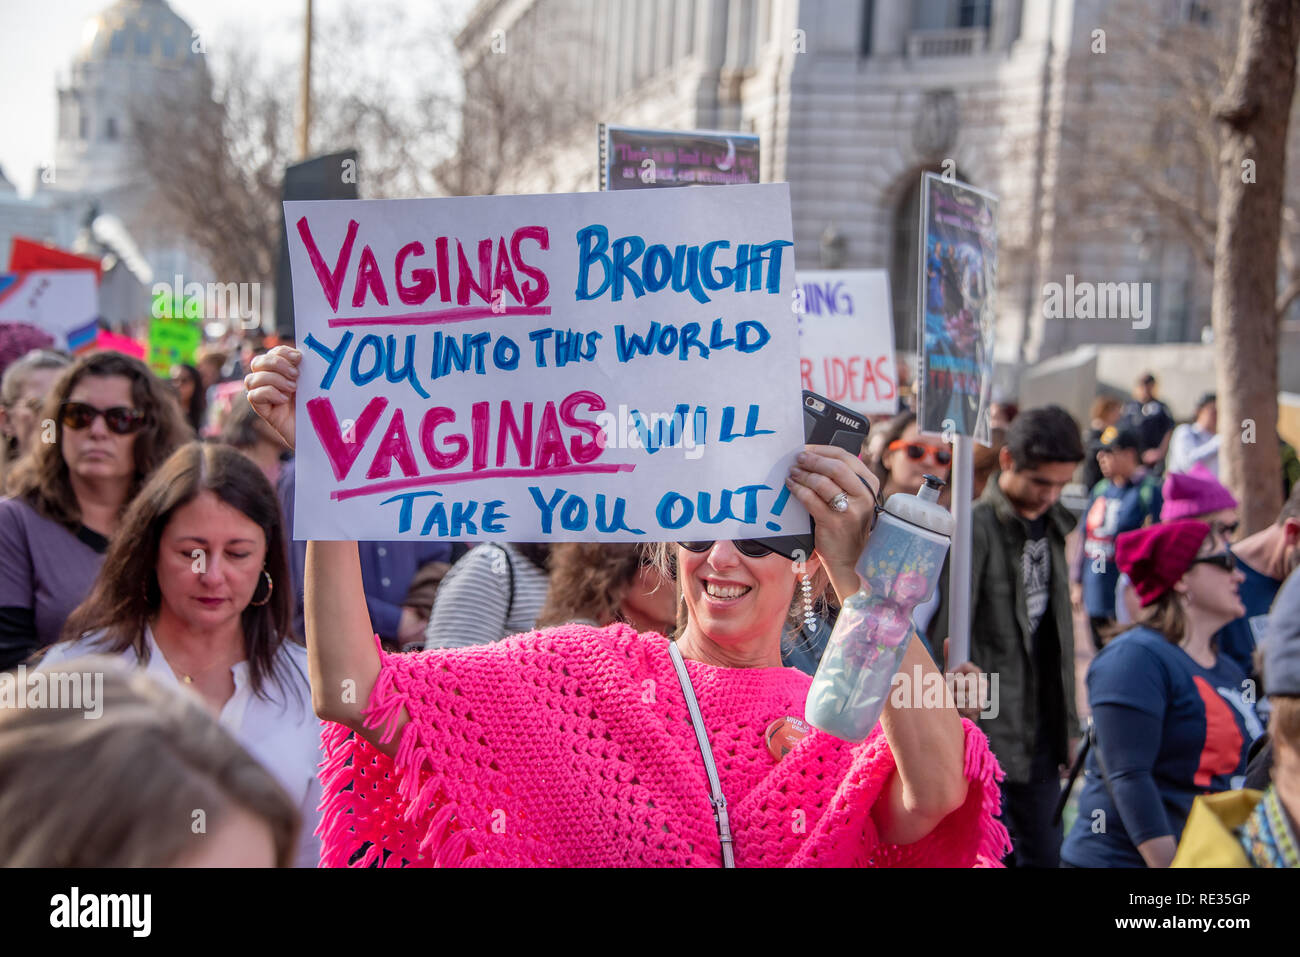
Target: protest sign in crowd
[{"x": 517, "y": 554}]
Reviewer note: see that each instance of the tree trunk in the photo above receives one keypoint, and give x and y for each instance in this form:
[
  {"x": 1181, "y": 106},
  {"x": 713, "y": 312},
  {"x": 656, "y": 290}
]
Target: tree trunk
[{"x": 1254, "y": 110}]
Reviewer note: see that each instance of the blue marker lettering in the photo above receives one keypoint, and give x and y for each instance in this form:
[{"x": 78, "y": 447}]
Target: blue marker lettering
[
  {"x": 751, "y": 500},
  {"x": 547, "y": 508},
  {"x": 477, "y": 342},
  {"x": 573, "y": 516},
  {"x": 617, "y": 522},
  {"x": 437, "y": 514},
  {"x": 724, "y": 508},
  {"x": 629, "y": 346},
  {"x": 505, "y": 355},
  {"x": 333, "y": 356},
  {"x": 691, "y": 337},
  {"x": 686, "y": 273},
  {"x": 404, "y": 516},
  {"x": 743, "y": 343},
  {"x": 706, "y": 266},
  {"x": 362, "y": 378},
  {"x": 462, "y": 519},
  {"x": 492, "y": 516},
  {"x": 408, "y": 365},
  {"x": 667, "y": 340},
  {"x": 592, "y": 242},
  {"x": 627, "y": 250},
  {"x": 664, "y": 510},
  {"x": 658, "y": 267},
  {"x": 540, "y": 336}
]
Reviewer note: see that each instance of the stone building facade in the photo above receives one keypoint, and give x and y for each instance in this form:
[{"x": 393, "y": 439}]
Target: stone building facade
[
  {"x": 133, "y": 53},
  {"x": 853, "y": 100}
]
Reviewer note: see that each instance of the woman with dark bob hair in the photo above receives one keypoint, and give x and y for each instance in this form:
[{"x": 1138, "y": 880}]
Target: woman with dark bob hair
[
  {"x": 193, "y": 591},
  {"x": 584, "y": 746},
  {"x": 122, "y": 790},
  {"x": 106, "y": 425}
]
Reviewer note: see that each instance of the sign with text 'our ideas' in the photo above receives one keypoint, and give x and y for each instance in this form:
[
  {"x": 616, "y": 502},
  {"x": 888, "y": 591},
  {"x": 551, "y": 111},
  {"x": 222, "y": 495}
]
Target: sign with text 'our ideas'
[
  {"x": 595, "y": 366},
  {"x": 846, "y": 338}
]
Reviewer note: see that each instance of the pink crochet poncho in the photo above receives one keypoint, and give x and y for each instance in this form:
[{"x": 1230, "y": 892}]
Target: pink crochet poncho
[{"x": 574, "y": 747}]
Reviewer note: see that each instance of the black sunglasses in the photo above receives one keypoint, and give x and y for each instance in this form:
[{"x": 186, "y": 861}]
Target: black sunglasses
[
  {"x": 119, "y": 419},
  {"x": 1225, "y": 560},
  {"x": 746, "y": 546}
]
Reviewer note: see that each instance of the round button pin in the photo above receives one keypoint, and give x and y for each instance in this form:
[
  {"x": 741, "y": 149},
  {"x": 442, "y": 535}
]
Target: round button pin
[{"x": 783, "y": 734}]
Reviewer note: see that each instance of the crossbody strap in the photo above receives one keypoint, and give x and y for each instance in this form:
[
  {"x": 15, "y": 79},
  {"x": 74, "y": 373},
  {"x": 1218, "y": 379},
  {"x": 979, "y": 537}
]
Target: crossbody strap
[
  {"x": 716, "y": 798},
  {"x": 510, "y": 570}
]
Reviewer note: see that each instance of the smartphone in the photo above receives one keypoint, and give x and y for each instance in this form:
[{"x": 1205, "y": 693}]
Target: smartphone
[{"x": 824, "y": 423}]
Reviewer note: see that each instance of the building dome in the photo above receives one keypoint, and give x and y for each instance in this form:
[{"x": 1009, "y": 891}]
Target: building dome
[{"x": 146, "y": 32}]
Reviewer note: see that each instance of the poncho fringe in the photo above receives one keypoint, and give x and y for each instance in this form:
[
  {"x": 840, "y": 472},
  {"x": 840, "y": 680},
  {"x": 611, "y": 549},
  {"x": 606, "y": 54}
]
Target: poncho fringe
[{"x": 573, "y": 747}]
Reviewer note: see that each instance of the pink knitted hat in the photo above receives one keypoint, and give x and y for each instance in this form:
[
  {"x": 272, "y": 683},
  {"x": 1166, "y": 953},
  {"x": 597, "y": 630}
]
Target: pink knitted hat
[
  {"x": 1156, "y": 556},
  {"x": 1194, "y": 492}
]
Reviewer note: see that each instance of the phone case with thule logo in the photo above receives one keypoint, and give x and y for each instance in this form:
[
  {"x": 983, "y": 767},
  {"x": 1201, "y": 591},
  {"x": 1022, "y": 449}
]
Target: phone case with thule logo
[{"x": 824, "y": 423}]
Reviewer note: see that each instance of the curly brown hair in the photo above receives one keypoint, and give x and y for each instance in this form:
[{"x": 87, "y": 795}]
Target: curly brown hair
[
  {"x": 41, "y": 477},
  {"x": 588, "y": 582}
]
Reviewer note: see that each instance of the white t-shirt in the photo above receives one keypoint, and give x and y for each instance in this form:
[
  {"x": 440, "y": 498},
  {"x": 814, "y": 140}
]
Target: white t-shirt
[
  {"x": 283, "y": 734},
  {"x": 1189, "y": 445}
]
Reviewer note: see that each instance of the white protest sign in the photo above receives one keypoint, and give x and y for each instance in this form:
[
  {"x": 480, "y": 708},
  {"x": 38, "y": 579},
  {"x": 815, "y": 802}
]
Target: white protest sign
[
  {"x": 846, "y": 338},
  {"x": 594, "y": 366},
  {"x": 58, "y": 301}
]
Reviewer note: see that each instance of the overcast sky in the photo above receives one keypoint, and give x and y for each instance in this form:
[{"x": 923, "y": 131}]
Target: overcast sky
[{"x": 39, "y": 38}]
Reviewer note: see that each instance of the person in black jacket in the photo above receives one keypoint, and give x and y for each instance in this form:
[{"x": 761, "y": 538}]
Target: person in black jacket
[{"x": 1022, "y": 627}]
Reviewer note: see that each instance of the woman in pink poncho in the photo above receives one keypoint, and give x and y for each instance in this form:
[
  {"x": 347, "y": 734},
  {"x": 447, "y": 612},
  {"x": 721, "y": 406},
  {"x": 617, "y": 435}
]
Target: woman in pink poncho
[{"x": 575, "y": 747}]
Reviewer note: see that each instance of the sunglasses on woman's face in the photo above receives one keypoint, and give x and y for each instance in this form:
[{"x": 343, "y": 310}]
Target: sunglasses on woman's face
[
  {"x": 746, "y": 546},
  {"x": 918, "y": 451},
  {"x": 119, "y": 419},
  {"x": 1225, "y": 529},
  {"x": 1225, "y": 560}
]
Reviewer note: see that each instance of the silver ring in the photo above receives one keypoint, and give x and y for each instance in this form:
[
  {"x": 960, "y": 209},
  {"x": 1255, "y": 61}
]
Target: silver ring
[{"x": 840, "y": 503}]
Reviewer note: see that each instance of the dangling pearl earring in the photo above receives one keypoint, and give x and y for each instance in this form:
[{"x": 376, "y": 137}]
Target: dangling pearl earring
[{"x": 809, "y": 618}]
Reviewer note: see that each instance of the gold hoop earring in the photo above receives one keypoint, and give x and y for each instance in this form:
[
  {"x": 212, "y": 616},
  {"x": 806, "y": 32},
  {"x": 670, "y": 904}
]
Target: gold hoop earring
[{"x": 270, "y": 587}]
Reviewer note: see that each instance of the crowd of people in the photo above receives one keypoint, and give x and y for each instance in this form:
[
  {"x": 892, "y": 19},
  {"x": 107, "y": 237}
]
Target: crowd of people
[{"x": 524, "y": 703}]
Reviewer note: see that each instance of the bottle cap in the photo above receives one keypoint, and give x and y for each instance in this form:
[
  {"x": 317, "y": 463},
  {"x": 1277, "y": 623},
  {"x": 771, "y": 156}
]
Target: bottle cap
[{"x": 923, "y": 508}]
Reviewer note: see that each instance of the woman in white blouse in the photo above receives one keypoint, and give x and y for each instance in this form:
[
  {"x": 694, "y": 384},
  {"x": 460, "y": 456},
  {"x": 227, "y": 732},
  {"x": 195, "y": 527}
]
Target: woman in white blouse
[{"x": 188, "y": 591}]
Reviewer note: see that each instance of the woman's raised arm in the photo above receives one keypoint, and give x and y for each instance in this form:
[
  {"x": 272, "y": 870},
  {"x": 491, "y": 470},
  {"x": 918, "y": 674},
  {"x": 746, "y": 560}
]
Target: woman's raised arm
[
  {"x": 928, "y": 743},
  {"x": 342, "y": 660}
]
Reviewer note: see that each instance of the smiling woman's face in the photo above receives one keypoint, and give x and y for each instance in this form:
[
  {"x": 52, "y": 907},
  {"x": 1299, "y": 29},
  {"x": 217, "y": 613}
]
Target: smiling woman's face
[{"x": 731, "y": 597}]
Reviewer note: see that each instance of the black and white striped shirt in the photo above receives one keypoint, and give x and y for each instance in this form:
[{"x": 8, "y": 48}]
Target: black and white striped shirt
[{"x": 473, "y": 599}]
